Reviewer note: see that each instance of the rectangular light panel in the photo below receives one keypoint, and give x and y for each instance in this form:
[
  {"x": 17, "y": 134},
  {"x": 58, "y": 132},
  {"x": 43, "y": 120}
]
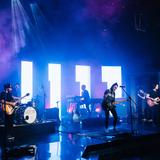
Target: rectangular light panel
[{"x": 26, "y": 80}]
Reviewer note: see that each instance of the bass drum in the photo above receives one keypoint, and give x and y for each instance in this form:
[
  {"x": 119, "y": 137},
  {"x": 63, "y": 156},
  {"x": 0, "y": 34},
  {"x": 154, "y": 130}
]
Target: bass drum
[{"x": 25, "y": 115}]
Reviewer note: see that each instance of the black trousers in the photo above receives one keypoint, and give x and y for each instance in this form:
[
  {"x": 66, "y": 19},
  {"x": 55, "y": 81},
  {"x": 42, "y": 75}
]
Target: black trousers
[
  {"x": 152, "y": 113},
  {"x": 9, "y": 124},
  {"x": 149, "y": 112},
  {"x": 156, "y": 114},
  {"x": 114, "y": 113}
]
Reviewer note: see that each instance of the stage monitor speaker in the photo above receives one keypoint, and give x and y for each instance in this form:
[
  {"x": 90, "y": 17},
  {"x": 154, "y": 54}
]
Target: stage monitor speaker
[
  {"x": 123, "y": 146},
  {"x": 107, "y": 148}
]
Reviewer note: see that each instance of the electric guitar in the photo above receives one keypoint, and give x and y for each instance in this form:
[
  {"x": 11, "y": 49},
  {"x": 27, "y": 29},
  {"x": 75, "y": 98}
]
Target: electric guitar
[
  {"x": 153, "y": 101},
  {"x": 75, "y": 116},
  {"x": 150, "y": 101},
  {"x": 9, "y": 107},
  {"x": 106, "y": 105}
]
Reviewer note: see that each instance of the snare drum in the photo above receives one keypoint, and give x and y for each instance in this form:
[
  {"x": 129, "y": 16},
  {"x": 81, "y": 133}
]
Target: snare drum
[{"x": 25, "y": 115}]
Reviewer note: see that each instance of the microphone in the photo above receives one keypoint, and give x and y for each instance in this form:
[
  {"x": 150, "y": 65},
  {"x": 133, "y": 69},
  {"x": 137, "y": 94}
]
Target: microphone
[{"x": 122, "y": 86}]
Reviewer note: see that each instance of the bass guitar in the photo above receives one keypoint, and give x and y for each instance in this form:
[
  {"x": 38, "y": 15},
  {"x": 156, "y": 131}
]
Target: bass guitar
[{"x": 9, "y": 107}]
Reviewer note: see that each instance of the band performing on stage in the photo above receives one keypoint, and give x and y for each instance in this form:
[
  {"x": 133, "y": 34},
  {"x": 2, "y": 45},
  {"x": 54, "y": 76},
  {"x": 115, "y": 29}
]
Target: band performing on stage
[{"x": 17, "y": 113}]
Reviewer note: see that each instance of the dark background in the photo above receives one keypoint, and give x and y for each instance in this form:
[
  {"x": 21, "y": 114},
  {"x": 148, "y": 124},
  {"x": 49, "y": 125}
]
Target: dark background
[{"x": 105, "y": 32}]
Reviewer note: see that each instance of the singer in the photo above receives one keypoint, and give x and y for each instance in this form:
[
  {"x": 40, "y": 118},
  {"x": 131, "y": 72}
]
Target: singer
[{"x": 108, "y": 105}]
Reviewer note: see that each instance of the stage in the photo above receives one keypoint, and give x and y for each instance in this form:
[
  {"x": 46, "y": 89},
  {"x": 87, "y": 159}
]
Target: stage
[
  {"x": 83, "y": 140},
  {"x": 123, "y": 144},
  {"x": 24, "y": 133}
]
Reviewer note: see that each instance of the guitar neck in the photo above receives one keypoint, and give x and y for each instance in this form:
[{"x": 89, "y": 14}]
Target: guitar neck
[
  {"x": 117, "y": 102},
  {"x": 21, "y": 98}
]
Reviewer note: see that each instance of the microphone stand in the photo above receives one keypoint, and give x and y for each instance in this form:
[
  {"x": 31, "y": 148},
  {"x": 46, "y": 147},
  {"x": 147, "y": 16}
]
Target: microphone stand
[
  {"x": 58, "y": 110},
  {"x": 44, "y": 103},
  {"x": 130, "y": 106},
  {"x": 57, "y": 104}
]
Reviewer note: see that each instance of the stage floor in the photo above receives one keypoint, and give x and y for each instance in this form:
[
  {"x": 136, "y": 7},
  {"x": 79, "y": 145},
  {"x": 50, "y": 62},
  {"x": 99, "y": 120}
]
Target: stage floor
[{"x": 71, "y": 140}]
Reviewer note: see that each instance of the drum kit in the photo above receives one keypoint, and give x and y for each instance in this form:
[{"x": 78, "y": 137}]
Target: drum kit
[{"x": 26, "y": 113}]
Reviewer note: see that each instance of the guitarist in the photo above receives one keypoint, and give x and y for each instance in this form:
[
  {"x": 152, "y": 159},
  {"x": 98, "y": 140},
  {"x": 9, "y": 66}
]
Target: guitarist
[
  {"x": 6, "y": 97},
  {"x": 153, "y": 101},
  {"x": 107, "y": 105}
]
